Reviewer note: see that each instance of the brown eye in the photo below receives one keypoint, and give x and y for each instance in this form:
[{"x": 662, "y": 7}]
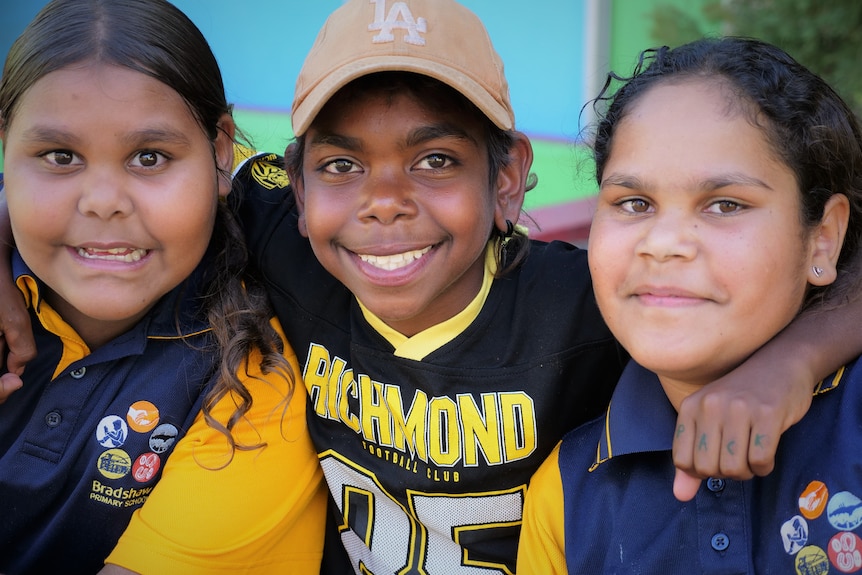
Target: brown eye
[
  {"x": 436, "y": 161},
  {"x": 638, "y": 206},
  {"x": 723, "y": 207},
  {"x": 727, "y": 207},
  {"x": 62, "y": 157},
  {"x": 148, "y": 159},
  {"x": 342, "y": 166}
]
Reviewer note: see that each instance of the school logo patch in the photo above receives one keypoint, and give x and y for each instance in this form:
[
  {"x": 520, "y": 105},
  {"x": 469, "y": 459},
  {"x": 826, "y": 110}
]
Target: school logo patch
[
  {"x": 142, "y": 416},
  {"x": 844, "y": 511},
  {"x": 845, "y": 552},
  {"x": 112, "y": 431},
  {"x": 145, "y": 467},
  {"x": 794, "y": 534},
  {"x": 114, "y": 463},
  {"x": 812, "y": 502},
  {"x": 163, "y": 437},
  {"x": 812, "y": 560}
]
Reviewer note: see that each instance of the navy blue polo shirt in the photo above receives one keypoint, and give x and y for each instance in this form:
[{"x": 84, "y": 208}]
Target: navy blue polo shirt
[
  {"x": 805, "y": 517},
  {"x": 83, "y": 442}
]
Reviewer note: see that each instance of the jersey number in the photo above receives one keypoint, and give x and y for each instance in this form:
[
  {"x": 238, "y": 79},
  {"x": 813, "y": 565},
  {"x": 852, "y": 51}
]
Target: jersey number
[{"x": 433, "y": 535}]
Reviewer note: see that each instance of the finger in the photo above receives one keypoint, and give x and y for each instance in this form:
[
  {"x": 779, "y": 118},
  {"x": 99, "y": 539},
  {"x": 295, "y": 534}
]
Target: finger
[
  {"x": 15, "y": 363},
  {"x": 706, "y": 443},
  {"x": 16, "y": 330},
  {"x": 685, "y": 486},
  {"x": 683, "y": 442},
  {"x": 9, "y": 383},
  {"x": 734, "y": 443},
  {"x": 762, "y": 446}
]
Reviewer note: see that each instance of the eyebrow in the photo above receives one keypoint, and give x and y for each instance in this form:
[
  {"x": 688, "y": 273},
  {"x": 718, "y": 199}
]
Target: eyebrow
[
  {"x": 414, "y": 138},
  {"x": 49, "y": 135},
  {"x": 435, "y": 132},
  {"x": 708, "y": 184}
]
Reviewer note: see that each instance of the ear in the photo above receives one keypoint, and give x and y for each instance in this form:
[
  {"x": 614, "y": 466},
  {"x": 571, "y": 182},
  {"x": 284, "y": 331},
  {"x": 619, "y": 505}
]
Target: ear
[
  {"x": 512, "y": 182},
  {"x": 298, "y": 187},
  {"x": 224, "y": 152},
  {"x": 827, "y": 241}
]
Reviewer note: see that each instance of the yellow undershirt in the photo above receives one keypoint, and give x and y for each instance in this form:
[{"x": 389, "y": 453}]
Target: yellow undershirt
[{"x": 425, "y": 342}]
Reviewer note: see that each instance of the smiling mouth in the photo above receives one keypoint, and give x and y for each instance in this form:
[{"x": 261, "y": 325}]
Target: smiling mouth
[
  {"x": 395, "y": 261},
  {"x": 127, "y": 255}
]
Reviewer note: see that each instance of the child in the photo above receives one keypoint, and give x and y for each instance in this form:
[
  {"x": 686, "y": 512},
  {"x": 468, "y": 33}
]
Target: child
[
  {"x": 440, "y": 367},
  {"x": 729, "y": 176},
  {"x": 118, "y": 147}
]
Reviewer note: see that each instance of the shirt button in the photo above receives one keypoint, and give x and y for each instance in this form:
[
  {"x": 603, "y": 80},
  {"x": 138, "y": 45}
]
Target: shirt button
[
  {"x": 720, "y": 542},
  {"x": 53, "y": 419},
  {"x": 78, "y": 373},
  {"x": 715, "y": 484}
]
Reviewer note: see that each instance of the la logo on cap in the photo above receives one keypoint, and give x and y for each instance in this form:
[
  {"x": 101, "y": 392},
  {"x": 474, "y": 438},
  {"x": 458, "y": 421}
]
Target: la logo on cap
[{"x": 399, "y": 17}]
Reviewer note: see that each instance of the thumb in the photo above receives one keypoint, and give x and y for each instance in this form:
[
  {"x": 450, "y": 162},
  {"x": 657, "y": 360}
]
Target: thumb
[{"x": 685, "y": 486}]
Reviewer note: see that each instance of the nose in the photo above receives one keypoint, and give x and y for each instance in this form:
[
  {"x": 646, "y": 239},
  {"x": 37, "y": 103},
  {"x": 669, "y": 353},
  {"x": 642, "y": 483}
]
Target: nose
[
  {"x": 104, "y": 193},
  {"x": 669, "y": 235},
  {"x": 388, "y": 196}
]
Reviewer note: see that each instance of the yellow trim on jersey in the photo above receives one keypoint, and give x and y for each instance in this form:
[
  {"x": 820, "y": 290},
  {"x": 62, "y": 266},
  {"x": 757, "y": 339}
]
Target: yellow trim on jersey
[
  {"x": 241, "y": 154},
  {"x": 436, "y": 336},
  {"x": 74, "y": 347}
]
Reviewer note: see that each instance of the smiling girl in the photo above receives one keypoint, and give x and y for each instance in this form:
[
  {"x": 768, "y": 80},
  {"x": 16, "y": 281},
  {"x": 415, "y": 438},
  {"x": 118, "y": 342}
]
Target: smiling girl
[
  {"x": 730, "y": 197},
  {"x": 118, "y": 147}
]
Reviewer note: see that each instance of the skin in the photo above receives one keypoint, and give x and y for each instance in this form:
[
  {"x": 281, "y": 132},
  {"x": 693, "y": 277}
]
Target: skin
[
  {"x": 98, "y": 157},
  {"x": 697, "y": 250},
  {"x": 396, "y": 203}
]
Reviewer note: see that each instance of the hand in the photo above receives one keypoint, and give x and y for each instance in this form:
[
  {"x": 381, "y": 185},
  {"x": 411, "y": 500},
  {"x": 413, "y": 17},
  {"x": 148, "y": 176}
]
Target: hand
[
  {"x": 16, "y": 339},
  {"x": 731, "y": 427}
]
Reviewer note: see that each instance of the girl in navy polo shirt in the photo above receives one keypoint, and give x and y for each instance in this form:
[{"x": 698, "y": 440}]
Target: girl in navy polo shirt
[
  {"x": 118, "y": 148},
  {"x": 730, "y": 201}
]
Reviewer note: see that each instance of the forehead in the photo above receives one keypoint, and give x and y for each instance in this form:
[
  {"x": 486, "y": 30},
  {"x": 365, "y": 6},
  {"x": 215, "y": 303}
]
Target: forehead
[
  {"x": 693, "y": 110},
  {"x": 98, "y": 93}
]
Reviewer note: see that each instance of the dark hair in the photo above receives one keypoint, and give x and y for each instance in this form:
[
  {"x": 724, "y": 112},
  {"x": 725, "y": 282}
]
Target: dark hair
[
  {"x": 155, "y": 38},
  {"x": 440, "y": 97},
  {"x": 807, "y": 124}
]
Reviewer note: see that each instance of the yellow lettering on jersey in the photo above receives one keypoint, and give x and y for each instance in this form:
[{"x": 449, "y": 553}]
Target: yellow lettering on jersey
[
  {"x": 481, "y": 429},
  {"x": 519, "y": 425},
  {"x": 409, "y": 432},
  {"x": 347, "y": 389},
  {"x": 500, "y": 427},
  {"x": 374, "y": 411},
  {"x": 445, "y": 444}
]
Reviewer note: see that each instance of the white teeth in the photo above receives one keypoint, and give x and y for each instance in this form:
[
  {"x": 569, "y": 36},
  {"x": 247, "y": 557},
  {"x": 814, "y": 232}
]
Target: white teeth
[
  {"x": 113, "y": 255},
  {"x": 394, "y": 261}
]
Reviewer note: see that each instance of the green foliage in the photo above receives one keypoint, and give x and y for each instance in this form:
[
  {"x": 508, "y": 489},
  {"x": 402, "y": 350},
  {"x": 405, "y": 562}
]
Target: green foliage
[{"x": 823, "y": 35}]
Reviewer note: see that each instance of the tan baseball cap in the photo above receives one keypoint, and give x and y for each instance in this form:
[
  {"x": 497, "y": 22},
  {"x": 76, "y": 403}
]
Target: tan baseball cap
[{"x": 437, "y": 38}]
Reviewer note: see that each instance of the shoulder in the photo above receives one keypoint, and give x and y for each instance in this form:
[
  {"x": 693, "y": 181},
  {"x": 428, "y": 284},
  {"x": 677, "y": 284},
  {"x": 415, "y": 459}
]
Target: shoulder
[{"x": 262, "y": 177}]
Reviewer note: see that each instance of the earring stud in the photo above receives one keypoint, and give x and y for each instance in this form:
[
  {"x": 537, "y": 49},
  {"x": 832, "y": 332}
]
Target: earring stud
[{"x": 817, "y": 271}]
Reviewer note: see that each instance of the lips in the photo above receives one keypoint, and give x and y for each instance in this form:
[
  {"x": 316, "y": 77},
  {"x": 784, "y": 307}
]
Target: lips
[
  {"x": 128, "y": 255},
  {"x": 394, "y": 261}
]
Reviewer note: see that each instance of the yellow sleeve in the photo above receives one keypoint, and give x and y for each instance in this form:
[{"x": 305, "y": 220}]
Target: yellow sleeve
[
  {"x": 542, "y": 547},
  {"x": 262, "y": 513}
]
